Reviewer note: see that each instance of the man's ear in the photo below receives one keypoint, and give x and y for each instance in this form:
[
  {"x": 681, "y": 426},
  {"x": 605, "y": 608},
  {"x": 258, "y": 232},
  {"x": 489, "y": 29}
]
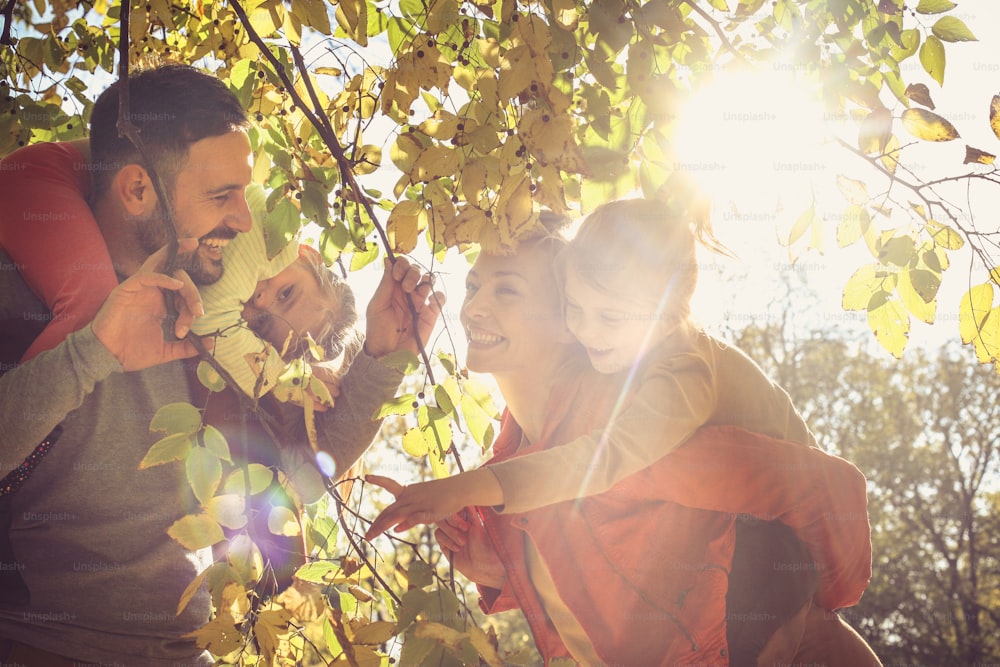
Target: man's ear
[{"x": 135, "y": 190}]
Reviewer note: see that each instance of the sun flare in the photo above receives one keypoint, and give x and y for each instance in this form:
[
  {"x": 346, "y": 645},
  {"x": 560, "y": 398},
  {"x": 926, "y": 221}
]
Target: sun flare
[{"x": 753, "y": 141}]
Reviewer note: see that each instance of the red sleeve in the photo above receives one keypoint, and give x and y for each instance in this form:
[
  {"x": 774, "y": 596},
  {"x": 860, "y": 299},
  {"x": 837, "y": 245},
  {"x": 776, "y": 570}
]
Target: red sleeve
[
  {"x": 48, "y": 230},
  {"x": 823, "y": 498}
]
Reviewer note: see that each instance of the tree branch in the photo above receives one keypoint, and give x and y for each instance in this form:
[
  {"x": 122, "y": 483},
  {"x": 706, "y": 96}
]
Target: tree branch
[
  {"x": 329, "y": 137},
  {"x": 8, "y": 19}
]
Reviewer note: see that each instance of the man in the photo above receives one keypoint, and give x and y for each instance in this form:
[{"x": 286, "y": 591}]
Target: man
[{"x": 88, "y": 527}]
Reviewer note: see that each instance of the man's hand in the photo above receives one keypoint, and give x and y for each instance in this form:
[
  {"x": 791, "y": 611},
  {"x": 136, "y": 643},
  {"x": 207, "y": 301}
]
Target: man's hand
[
  {"x": 390, "y": 324},
  {"x": 429, "y": 502},
  {"x": 129, "y": 322},
  {"x": 465, "y": 542}
]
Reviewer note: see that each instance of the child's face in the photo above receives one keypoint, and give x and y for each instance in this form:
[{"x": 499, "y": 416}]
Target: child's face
[
  {"x": 291, "y": 301},
  {"x": 612, "y": 327}
]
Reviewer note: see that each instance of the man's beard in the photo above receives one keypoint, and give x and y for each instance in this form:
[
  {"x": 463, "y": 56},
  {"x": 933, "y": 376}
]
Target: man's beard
[{"x": 154, "y": 234}]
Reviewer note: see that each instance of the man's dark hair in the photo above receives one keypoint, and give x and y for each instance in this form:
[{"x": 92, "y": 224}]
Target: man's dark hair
[{"x": 173, "y": 106}]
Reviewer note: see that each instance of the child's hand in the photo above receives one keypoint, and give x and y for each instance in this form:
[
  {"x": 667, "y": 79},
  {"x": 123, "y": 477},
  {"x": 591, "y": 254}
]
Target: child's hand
[{"x": 429, "y": 502}]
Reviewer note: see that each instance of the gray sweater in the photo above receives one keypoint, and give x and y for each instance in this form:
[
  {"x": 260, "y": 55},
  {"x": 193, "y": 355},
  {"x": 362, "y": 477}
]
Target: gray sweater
[{"x": 89, "y": 528}]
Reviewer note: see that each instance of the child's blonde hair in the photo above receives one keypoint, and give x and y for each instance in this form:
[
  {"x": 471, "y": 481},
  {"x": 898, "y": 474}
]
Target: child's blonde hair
[
  {"x": 642, "y": 245},
  {"x": 339, "y": 334}
]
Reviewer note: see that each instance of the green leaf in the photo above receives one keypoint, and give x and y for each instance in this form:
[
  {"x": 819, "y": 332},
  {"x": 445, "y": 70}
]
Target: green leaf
[
  {"x": 216, "y": 443},
  {"x": 889, "y": 322},
  {"x": 209, "y": 377},
  {"x": 176, "y": 418},
  {"x": 318, "y": 572},
  {"x": 399, "y": 405},
  {"x": 171, "y": 448},
  {"x": 411, "y": 605},
  {"x": 260, "y": 478},
  {"x": 204, "y": 472},
  {"x": 952, "y": 29},
  {"x": 245, "y": 558},
  {"x": 196, "y": 531},
  {"x": 932, "y": 58},
  {"x": 362, "y": 258},
  {"x": 934, "y": 6},
  {"x": 927, "y": 125},
  {"x": 281, "y": 226}
]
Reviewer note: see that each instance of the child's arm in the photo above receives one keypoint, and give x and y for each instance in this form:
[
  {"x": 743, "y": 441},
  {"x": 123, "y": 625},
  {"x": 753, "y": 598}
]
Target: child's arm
[
  {"x": 430, "y": 502},
  {"x": 675, "y": 397},
  {"x": 48, "y": 230}
]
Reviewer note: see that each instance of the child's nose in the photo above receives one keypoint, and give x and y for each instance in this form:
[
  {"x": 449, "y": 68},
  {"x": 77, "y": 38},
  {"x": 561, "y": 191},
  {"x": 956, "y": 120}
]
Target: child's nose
[{"x": 262, "y": 295}]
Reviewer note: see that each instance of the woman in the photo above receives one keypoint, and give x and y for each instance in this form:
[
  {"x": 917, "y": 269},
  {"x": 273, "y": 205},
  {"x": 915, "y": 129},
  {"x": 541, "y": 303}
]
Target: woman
[{"x": 638, "y": 575}]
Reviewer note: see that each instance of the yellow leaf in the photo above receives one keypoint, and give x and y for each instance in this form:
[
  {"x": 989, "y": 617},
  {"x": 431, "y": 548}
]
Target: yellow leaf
[
  {"x": 517, "y": 71},
  {"x": 438, "y": 632},
  {"x": 196, "y": 531},
  {"x": 235, "y": 601},
  {"x": 863, "y": 284},
  {"x": 374, "y": 633},
  {"x": 304, "y": 600},
  {"x": 414, "y": 443},
  {"x": 927, "y": 125},
  {"x": 995, "y": 115},
  {"x": 890, "y": 324},
  {"x": 204, "y": 473},
  {"x": 802, "y": 225},
  {"x": 442, "y": 125},
  {"x": 229, "y": 509},
  {"x": 220, "y": 635},
  {"x": 441, "y": 15},
  {"x": 973, "y": 309},
  {"x": 486, "y": 646},
  {"x": 853, "y": 224},
  {"x": 407, "y": 219},
  {"x": 436, "y": 162},
  {"x": 282, "y": 521},
  {"x": 190, "y": 591},
  {"x": 854, "y": 191},
  {"x": 245, "y": 558},
  {"x": 467, "y": 227},
  {"x": 514, "y": 214},
  {"x": 913, "y": 296},
  {"x": 271, "y": 630},
  {"x": 405, "y": 151},
  {"x": 352, "y": 16},
  {"x": 988, "y": 341},
  {"x": 944, "y": 236},
  {"x": 976, "y": 156},
  {"x": 551, "y": 139}
]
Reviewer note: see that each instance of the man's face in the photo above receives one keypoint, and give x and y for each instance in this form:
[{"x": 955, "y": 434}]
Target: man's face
[{"x": 209, "y": 204}]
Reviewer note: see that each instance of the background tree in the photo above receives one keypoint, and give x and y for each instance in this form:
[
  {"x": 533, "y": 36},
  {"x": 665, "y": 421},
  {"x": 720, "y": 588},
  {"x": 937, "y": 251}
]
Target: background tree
[{"x": 925, "y": 430}]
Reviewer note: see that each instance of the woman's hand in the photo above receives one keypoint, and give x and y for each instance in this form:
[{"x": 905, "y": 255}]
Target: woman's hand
[
  {"x": 430, "y": 502},
  {"x": 465, "y": 542}
]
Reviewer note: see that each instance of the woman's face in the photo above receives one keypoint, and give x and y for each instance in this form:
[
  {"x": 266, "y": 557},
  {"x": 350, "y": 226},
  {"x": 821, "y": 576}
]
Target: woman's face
[{"x": 512, "y": 313}]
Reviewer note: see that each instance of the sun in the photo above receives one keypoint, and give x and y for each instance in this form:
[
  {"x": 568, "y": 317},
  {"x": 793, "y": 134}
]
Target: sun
[{"x": 754, "y": 142}]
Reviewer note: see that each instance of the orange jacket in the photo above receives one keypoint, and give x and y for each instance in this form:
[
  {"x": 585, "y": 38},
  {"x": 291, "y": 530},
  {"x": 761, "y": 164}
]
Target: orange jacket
[{"x": 644, "y": 566}]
